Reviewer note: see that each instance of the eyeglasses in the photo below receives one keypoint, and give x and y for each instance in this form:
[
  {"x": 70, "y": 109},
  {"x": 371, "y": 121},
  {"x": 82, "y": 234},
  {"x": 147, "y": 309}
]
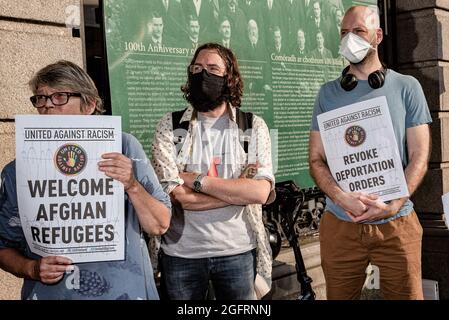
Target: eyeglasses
[
  {"x": 213, "y": 69},
  {"x": 57, "y": 98}
]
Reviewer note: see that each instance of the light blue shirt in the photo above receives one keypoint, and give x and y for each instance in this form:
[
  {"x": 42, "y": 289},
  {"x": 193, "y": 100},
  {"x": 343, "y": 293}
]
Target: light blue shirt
[
  {"x": 131, "y": 278},
  {"x": 407, "y": 105}
]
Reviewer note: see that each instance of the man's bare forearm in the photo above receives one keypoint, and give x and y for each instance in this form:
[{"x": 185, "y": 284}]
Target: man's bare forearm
[
  {"x": 414, "y": 175},
  {"x": 319, "y": 170},
  {"x": 419, "y": 146},
  {"x": 324, "y": 179},
  {"x": 188, "y": 199},
  {"x": 239, "y": 191}
]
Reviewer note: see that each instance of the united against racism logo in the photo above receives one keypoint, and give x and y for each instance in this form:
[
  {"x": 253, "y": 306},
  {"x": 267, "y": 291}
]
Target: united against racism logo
[
  {"x": 70, "y": 159},
  {"x": 355, "y": 136}
]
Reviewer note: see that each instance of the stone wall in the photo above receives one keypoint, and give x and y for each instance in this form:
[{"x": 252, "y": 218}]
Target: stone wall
[
  {"x": 33, "y": 33},
  {"x": 423, "y": 51}
]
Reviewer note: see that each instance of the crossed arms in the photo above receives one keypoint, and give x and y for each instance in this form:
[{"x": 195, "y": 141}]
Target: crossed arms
[{"x": 219, "y": 193}]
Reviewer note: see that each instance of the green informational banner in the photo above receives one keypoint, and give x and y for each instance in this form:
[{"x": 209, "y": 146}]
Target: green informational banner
[{"x": 286, "y": 51}]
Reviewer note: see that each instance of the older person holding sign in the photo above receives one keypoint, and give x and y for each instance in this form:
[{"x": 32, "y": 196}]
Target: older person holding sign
[{"x": 63, "y": 88}]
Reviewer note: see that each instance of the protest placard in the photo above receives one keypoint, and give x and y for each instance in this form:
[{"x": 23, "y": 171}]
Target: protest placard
[
  {"x": 67, "y": 206},
  {"x": 361, "y": 149}
]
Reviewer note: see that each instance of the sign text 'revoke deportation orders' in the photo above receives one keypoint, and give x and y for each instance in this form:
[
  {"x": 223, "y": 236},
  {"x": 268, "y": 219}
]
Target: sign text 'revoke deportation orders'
[{"x": 361, "y": 149}]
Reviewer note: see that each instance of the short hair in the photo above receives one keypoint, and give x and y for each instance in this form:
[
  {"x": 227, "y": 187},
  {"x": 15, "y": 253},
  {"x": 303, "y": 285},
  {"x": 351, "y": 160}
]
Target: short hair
[
  {"x": 234, "y": 80},
  {"x": 252, "y": 22},
  {"x": 193, "y": 18},
  {"x": 156, "y": 14},
  {"x": 223, "y": 19},
  {"x": 66, "y": 74}
]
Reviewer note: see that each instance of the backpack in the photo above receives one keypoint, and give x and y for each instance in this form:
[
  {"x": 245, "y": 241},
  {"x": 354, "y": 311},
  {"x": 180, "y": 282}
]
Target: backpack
[{"x": 243, "y": 119}]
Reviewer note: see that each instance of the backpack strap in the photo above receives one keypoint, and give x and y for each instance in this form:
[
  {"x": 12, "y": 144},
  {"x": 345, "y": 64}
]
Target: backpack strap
[
  {"x": 176, "y": 120},
  {"x": 244, "y": 122},
  {"x": 179, "y": 135}
]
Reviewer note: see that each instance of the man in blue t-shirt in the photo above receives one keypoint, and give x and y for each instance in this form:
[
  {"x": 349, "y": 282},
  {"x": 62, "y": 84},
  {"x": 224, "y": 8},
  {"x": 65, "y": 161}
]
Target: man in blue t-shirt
[{"x": 357, "y": 228}]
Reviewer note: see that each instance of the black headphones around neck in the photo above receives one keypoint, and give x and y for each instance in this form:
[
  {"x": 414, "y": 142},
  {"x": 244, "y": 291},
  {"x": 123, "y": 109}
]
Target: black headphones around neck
[{"x": 376, "y": 79}]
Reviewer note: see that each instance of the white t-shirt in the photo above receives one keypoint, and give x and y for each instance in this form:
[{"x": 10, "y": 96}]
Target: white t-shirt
[{"x": 217, "y": 232}]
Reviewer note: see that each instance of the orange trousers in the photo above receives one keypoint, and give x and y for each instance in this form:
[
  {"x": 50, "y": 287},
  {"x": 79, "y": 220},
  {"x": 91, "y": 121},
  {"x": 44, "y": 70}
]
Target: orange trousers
[{"x": 394, "y": 247}]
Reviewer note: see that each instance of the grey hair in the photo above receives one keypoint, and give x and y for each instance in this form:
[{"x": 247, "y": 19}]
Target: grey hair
[{"x": 66, "y": 74}]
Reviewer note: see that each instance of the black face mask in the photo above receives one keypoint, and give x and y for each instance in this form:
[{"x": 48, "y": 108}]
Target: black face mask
[{"x": 207, "y": 91}]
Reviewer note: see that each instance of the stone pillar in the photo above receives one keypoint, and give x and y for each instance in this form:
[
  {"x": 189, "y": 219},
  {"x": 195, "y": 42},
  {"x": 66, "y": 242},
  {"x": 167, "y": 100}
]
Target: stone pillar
[
  {"x": 423, "y": 51},
  {"x": 33, "y": 33}
]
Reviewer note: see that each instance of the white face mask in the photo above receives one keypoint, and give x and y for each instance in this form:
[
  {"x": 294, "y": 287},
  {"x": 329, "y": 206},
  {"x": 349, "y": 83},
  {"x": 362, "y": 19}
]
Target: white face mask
[{"x": 354, "y": 48}]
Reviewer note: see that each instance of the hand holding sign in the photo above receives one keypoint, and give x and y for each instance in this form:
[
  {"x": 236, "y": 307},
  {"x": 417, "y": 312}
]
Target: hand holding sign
[
  {"x": 50, "y": 270},
  {"x": 376, "y": 209},
  {"x": 118, "y": 167},
  {"x": 67, "y": 206},
  {"x": 351, "y": 203}
]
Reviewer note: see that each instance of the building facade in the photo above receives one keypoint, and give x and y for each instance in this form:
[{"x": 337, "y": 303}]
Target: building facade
[{"x": 35, "y": 33}]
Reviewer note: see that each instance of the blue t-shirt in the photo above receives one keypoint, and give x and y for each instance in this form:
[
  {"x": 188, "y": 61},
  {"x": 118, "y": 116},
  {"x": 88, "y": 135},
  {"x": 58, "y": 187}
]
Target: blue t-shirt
[
  {"x": 406, "y": 103},
  {"x": 131, "y": 278}
]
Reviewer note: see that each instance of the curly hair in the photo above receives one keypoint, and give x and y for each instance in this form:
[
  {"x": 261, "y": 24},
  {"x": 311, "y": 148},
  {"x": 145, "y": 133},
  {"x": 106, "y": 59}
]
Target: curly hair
[{"x": 234, "y": 80}]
